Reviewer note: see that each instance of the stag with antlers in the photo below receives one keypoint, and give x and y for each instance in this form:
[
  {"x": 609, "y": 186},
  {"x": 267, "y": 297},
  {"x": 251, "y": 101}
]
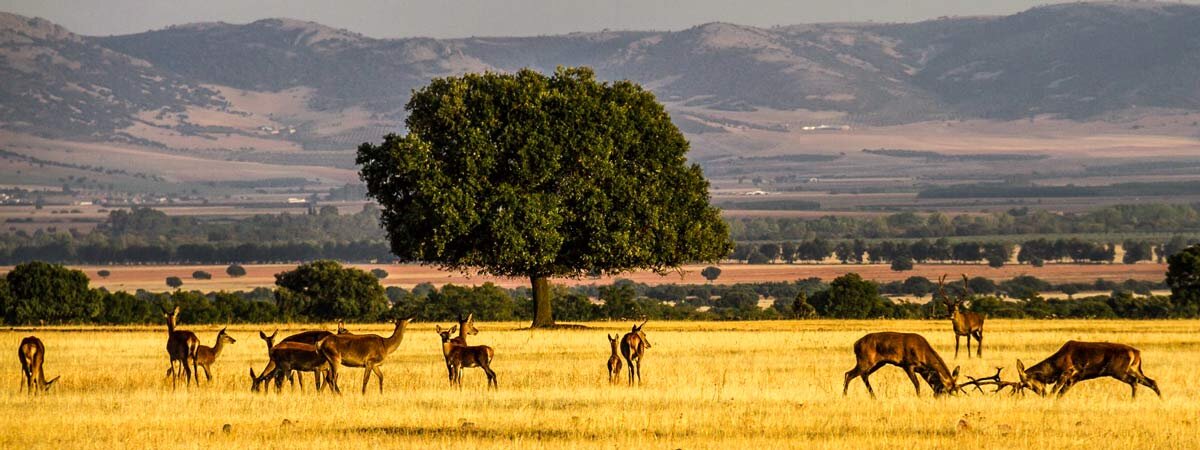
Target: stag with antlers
[
  {"x": 181, "y": 347},
  {"x": 1080, "y": 361},
  {"x": 965, "y": 323},
  {"x": 206, "y": 355},
  {"x": 907, "y": 351},
  {"x": 614, "y": 359},
  {"x": 633, "y": 347},
  {"x": 32, "y": 354}
]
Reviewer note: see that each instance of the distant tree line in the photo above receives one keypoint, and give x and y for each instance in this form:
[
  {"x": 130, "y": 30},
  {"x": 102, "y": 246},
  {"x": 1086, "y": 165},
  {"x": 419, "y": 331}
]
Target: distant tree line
[
  {"x": 324, "y": 291},
  {"x": 1012, "y": 190}
]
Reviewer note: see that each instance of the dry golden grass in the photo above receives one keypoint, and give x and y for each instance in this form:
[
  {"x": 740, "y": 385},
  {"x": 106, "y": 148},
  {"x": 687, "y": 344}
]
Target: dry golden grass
[{"x": 707, "y": 385}]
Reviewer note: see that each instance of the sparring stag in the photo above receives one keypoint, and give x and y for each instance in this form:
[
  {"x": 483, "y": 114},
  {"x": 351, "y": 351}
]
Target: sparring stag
[
  {"x": 633, "y": 347},
  {"x": 181, "y": 347},
  {"x": 206, "y": 355},
  {"x": 1080, "y": 361},
  {"x": 458, "y": 355},
  {"x": 32, "y": 354},
  {"x": 362, "y": 350},
  {"x": 907, "y": 351},
  {"x": 965, "y": 323}
]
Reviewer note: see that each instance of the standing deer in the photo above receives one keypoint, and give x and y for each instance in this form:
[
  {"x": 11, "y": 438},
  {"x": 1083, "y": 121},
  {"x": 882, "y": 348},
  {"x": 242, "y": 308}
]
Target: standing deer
[
  {"x": 1080, "y": 361},
  {"x": 294, "y": 356},
  {"x": 32, "y": 354},
  {"x": 633, "y": 347},
  {"x": 206, "y": 355},
  {"x": 361, "y": 350},
  {"x": 304, "y": 337},
  {"x": 459, "y": 355},
  {"x": 614, "y": 360},
  {"x": 965, "y": 323},
  {"x": 907, "y": 351},
  {"x": 181, "y": 347}
]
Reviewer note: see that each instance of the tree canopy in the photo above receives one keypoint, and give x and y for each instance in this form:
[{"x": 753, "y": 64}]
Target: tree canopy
[
  {"x": 325, "y": 290},
  {"x": 1183, "y": 276},
  {"x": 540, "y": 176}
]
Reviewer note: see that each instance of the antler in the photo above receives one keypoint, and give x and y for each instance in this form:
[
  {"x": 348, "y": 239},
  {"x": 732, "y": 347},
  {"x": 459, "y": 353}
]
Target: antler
[{"x": 993, "y": 380}]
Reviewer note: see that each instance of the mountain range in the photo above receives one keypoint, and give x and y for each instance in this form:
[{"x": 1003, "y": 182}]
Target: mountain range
[{"x": 1073, "y": 61}]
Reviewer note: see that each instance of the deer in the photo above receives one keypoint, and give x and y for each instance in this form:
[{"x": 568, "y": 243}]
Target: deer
[
  {"x": 459, "y": 355},
  {"x": 206, "y": 355},
  {"x": 181, "y": 347},
  {"x": 965, "y": 323},
  {"x": 1079, "y": 361},
  {"x": 908, "y": 351},
  {"x": 303, "y": 337},
  {"x": 361, "y": 350},
  {"x": 294, "y": 356},
  {"x": 633, "y": 347},
  {"x": 614, "y": 360},
  {"x": 32, "y": 354}
]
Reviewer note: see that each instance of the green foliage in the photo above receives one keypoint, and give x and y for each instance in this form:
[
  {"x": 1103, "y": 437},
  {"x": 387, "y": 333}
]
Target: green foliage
[
  {"x": 174, "y": 282},
  {"x": 201, "y": 275},
  {"x": 379, "y": 273},
  {"x": 711, "y": 273},
  {"x": 325, "y": 290},
  {"x": 534, "y": 176},
  {"x": 902, "y": 264},
  {"x": 235, "y": 270},
  {"x": 38, "y": 292},
  {"x": 103, "y": 273},
  {"x": 851, "y": 297},
  {"x": 1183, "y": 276}
]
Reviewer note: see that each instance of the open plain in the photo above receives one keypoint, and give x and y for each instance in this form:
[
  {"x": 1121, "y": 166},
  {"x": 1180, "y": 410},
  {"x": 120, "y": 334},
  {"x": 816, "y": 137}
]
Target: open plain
[{"x": 706, "y": 385}]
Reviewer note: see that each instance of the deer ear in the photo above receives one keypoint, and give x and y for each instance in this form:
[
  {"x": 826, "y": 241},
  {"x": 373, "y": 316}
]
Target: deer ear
[
  {"x": 262, "y": 335},
  {"x": 955, "y": 373},
  {"x": 438, "y": 327},
  {"x": 1021, "y": 370},
  {"x": 52, "y": 380},
  {"x": 222, "y": 330},
  {"x": 470, "y": 317},
  {"x": 453, "y": 328},
  {"x": 252, "y": 377}
]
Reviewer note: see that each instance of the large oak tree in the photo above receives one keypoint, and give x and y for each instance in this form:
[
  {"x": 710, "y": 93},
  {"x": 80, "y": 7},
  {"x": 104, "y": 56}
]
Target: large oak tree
[{"x": 540, "y": 176}]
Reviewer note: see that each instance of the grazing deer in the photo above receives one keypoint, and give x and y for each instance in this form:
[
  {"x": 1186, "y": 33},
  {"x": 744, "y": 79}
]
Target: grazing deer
[
  {"x": 633, "y": 347},
  {"x": 206, "y": 355},
  {"x": 1080, "y": 361},
  {"x": 614, "y": 360},
  {"x": 459, "y": 355},
  {"x": 294, "y": 356},
  {"x": 907, "y": 351},
  {"x": 32, "y": 354},
  {"x": 362, "y": 350},
  {"x": 965, "y": 323},
  {"x": 181, "y": 347},
  {"x": 303, "y": 337}
]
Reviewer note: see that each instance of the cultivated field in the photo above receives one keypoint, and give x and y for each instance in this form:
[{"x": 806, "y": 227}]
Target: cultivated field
[
  {"x": 707, "y": 385},
  {"x": 153, "y": 278}
]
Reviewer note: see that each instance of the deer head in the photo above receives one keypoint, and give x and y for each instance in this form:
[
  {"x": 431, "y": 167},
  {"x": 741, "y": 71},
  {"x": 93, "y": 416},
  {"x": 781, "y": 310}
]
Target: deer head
[
  {"x": 270, "y": 339},
  {"x": 223, "y": 336},
  {"x": 1028, "y": 382},
  {"x": 341, "y": 329},
  {"x": 256, "y": 384},
  {"x": 637, "y": 330},
  {"x": 447, "y": 333},
  {"x": 468, "y": 325}
]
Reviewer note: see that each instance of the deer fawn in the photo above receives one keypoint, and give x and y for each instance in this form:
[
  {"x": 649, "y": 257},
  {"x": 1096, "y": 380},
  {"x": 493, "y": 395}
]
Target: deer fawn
[
  {"x": 907, "y": 351},
  {"x": 459, "y": 355},
  {"x": 206, "y": 355},
  {"x": 32, "y": 354},
  {"x": 633, "y": 347},
  {"x": 361, "y": 350},
  {"x": 614, "y": 359},
  {"x": 181, "y": 347},
  {"x": 1080, "y": 361},
  {"x": 294, "y": 356},
  {"x": 965, "y": 323}
]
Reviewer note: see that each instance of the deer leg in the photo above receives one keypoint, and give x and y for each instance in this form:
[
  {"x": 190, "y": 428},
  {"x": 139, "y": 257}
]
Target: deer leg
[
  {"x": 379, "y": 375},
  {"x": 366, "y": 377},
  {"x": 956, "y": 346},
  {"x": 1153, "y": 385},
  {"x": 979, "y": 343},
  {"x": 629, "y": 364},
  {"x": 206, "y": 375},
  {"x": 913, "y": 377},
  {"x": 850, "y": 374},
  {"x": 491, "y": 375},
  {"x": 968, "y": 345}
]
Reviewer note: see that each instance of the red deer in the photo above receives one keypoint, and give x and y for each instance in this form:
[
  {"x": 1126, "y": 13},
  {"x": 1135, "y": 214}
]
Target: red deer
[
  {"x": 1080, "y": 361},
  {"x": 965, "y": 323},
  {"x": 458, "y": 355},
  {"x": 181, "y": 347},
  {"x": 294, "y": 356},
  {"x": 206, "y": 355},
  {"x": 32, "y": 354},
  {"x": 362, "y": 350},
  {"x": 907, "y": 351},
  {"x": 304, "y": 337},
  {"x": 614, "y": 360},
  {"x": 633, "y": 347}
]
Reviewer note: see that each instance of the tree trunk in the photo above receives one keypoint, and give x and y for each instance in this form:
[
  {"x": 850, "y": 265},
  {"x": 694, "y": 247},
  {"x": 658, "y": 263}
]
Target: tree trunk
[{"x": 542, "y": 316}]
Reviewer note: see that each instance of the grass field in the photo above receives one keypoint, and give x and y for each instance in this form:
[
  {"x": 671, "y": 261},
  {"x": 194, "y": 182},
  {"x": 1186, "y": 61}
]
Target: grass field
[{"x": 707, "y": 385}]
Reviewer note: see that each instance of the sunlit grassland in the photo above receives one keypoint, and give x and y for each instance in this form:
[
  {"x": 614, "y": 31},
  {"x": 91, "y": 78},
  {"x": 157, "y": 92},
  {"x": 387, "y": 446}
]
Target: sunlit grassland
[{"x": 706, "y": 385}]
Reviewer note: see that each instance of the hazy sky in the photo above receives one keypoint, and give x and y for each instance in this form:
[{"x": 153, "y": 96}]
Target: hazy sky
[{"x": 460, "y": 18}]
